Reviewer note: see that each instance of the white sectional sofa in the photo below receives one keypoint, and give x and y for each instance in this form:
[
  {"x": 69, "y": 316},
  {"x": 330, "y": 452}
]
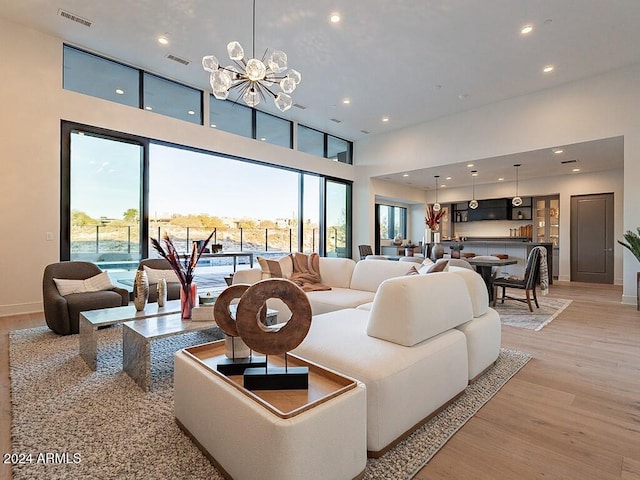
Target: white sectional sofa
[
  {"x": 415, "y": 349},
  {"x": 352, "y": 284}
]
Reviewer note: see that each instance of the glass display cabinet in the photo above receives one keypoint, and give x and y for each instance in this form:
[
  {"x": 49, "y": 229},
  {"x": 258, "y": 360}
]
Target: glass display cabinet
[{"x": 547, "y": 225}]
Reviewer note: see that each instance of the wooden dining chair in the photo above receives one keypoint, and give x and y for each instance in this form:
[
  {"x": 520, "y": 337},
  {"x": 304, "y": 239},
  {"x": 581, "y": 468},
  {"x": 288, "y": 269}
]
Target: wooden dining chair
[
  {"x": 527, "y": 283},
  {"x": 364, "y": 251}
]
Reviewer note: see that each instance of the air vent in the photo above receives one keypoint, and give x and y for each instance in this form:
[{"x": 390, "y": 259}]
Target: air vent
[
  {"x": 74, "y": 18},
  {"x": 178, "y": 59},
  {"x": 564, "y": 162},
  {"x": 301, "y": 107},
  {"x": 336, "y": 120},
  {"x": 366, "y": 132}
]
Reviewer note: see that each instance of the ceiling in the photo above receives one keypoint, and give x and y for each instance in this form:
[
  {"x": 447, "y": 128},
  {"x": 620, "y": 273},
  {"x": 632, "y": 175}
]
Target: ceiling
[
  {"x": 588, "y": 157},
  {"x": 409, "y": 61}
]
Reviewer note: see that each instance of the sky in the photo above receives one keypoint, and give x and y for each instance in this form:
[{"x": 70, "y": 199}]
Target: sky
[{"x": 105, "y": 179}]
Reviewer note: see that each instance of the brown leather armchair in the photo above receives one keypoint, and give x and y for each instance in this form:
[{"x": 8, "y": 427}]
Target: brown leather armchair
[{"x": 62, "y": 313}]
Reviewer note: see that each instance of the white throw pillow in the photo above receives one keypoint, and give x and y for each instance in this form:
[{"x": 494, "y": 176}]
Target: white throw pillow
[
  {"x": 155, "y": 274},
  {"x": 94, "y": 284}
]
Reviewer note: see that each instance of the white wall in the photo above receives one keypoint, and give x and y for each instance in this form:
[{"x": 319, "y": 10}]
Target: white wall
[
  {"x": 33, "y": 105},
  {"x": 600, "y": 107}
]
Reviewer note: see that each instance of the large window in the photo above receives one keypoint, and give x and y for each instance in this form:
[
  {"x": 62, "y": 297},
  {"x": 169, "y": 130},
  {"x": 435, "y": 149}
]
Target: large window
[
  {"x": 393, "y": 221},
  {"x": 337, "y": 219},
  {"x": 119, "y": 190},
  {"x": 96, "y": 76},
  {"x": 230, "y": 117},
  {"x": 322, "y": 144},
  {"x": 274, "y": 130},
  {"x": 172, "y": 99},
  {"x": 105, "y": 198},
  {"x": 100, "y": 77}
]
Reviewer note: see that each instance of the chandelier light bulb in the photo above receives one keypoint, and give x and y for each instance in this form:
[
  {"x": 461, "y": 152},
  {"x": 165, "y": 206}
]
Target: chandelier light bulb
[
  {"x": 473, "y": 204},
  {"x": 210, "y": 63},
  {"x": 256, "y": 70},
  {"x": 235, "y": 51}
]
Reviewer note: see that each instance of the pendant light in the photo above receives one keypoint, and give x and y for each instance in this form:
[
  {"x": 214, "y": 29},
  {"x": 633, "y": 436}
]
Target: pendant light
[
  {"x": 473, "y": 204},
  {"x": 516, "y": 201},
  {"x": 436, "y": 206}
]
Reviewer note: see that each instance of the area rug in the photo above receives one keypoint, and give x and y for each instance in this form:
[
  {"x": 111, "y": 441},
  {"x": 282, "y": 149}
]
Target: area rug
[
  {"x": 80, "y": 424},
  {"x": 517, "y": 314}
]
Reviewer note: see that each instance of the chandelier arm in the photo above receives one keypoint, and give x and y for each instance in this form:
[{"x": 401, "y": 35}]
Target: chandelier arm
[{"x": 268, "y": 90}]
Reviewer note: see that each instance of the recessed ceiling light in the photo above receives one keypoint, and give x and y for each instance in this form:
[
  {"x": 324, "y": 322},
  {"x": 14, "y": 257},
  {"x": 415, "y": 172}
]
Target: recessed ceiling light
[
  {"x": 474, "y": 173},
  {"x": 213, "y": 125},
  {"x": 501, "y": 179},
  {"x": 526, "y": 29},
  {"x": 385, "y": 119},
  {"x": 119, "y": 91},
  {"x": 448, "y": 178},
  {"x": 191, "y": 112},
  {"x": 463, "y": 96},
  {"x": 162, "y": 40},
  {"x": 405, "y": 175},
  {"x": 575, "y": 170},
  {"x": 558, "y": 151},
  {"x": 263, "y": 139},
  {"x": 443, "y": 186},
  {"x": 548, "y": 69},
  {"x": 469, "y": 165},
  {"x": 346, "y": 101},
  {"x": 148, "y": 107},
  {"x": 335, "y": 18}
]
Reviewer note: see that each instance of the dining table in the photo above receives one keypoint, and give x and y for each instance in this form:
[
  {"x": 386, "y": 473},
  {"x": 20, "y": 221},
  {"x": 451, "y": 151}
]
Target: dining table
[{"x": 484, "y": 268}]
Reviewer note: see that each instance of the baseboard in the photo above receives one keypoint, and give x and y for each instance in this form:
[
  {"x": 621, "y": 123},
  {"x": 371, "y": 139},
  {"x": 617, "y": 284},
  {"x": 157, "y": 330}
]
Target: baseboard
[
  {"x": 20, "y": 309},
  {"x": 629, "y": 300}
]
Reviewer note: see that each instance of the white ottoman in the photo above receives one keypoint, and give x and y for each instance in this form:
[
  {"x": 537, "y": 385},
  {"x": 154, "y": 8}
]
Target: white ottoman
[{"x": 246, "y": 440}]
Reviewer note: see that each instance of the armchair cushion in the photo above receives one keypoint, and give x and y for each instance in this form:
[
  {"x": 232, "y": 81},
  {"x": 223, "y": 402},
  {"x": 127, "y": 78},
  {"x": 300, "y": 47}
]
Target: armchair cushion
[
  {"x": 93, "y": 284},
  {"x": 155, "y": 274}
]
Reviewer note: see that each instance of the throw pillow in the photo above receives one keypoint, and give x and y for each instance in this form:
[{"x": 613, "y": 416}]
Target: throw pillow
[
  {"x": 426, "y": 266},
  {"x": 155, "y": 274},
  {"x": 413, "y": 271},
  {"x": 438, "y": 266},
  {"x": 276, "y": 268},
  {"x": 94, "y": 284}
]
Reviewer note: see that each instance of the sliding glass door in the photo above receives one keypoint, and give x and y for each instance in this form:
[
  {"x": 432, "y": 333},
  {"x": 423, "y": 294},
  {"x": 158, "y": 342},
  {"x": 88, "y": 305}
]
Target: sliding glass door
[
  {"x": 104, "y": 199},
  {"x": 337, "y": 219}
]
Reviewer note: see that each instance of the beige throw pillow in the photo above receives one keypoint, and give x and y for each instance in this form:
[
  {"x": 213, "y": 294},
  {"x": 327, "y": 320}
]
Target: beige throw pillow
[
  {"x": 94, "y": 284},
  {"x": 276, "y": 268},
  {"x": 155, "y": 274}
]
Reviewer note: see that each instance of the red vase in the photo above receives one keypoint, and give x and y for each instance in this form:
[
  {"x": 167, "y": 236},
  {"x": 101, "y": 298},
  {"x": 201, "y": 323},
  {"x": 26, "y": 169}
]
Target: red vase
[{"x": 188, "y": 296}]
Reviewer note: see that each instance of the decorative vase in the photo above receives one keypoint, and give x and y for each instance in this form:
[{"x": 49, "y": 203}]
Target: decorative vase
[
  {"x": 140, "y": 290},
  {"x": 162, "y": 292},
  {"x": 438, "y": 250},
  {"x": 188, "y": 296}
]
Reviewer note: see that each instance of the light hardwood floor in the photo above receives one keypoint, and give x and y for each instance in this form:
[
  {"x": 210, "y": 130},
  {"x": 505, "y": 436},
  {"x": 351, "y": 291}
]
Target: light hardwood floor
[{"x": 573, "y": 412}]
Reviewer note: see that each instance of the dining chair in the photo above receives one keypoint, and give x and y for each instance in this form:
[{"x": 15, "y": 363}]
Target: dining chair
[
  {"x": 364, "y": 251},
  {"x": 527, "y": 283}
]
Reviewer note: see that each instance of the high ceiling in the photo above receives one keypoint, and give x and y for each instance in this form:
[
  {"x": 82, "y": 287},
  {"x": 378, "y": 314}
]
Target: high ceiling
[{"x": 409, "y": 61}]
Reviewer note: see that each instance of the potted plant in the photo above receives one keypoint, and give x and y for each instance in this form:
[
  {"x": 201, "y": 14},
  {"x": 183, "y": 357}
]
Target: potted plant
[
  {"x": 633, "y": 244},
  {"x": 455, "y": 249}
]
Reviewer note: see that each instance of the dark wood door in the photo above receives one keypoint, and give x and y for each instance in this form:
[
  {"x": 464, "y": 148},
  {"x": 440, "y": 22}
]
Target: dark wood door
[{"x": 592, "y": 238}]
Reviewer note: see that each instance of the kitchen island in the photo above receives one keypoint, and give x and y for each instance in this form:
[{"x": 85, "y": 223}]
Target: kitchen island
[{"x": 517, "y": 248}]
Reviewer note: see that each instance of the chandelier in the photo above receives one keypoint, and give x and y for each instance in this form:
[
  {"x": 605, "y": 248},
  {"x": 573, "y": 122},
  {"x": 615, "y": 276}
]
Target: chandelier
[{"x": 253, "y": 79}]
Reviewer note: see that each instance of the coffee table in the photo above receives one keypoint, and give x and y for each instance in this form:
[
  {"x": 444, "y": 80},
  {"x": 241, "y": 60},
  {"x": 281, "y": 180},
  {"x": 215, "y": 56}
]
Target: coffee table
[
  {"x": 138, "y": 335},
  {"x": 91, "y": 320}
]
